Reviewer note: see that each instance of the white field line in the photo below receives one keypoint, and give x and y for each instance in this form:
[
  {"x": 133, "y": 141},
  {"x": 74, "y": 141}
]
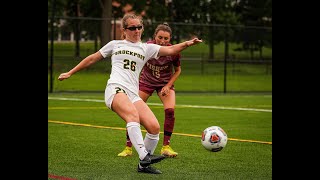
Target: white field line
[{"x": 181, "y": 105}]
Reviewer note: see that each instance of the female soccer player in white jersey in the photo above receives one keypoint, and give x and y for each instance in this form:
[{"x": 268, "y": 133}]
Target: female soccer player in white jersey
[
  {"x": 128, "y": 57},
  {"x": 159, "y": 75}
]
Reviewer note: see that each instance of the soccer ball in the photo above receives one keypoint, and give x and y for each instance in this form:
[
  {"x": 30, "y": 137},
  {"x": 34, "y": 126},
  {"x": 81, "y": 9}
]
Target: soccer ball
[{"x": 214, "y": 138}]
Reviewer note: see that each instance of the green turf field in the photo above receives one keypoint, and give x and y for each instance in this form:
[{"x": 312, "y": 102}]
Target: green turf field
[{"x": 84, "y": 138}]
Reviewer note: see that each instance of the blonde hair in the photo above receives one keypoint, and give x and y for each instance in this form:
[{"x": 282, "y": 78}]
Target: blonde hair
[
  {"x": 163, "y": 27},
  {"x": 124, "y": 23}
]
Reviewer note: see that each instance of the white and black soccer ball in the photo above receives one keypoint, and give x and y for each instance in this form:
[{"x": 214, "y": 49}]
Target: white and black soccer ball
[{"x": 214, "y": 138}]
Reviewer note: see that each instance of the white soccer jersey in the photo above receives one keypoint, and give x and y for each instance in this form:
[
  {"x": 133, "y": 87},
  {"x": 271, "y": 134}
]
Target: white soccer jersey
[{"x": 127, "y": 60}]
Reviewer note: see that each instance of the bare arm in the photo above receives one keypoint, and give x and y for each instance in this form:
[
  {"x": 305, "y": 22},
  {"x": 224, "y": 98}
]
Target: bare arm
[
  {"x": 177, "y": 48},
  {"x": 86, "y": 62},
  {"x": 166, "y": 89},
  {"x": 176, "y": 74}
]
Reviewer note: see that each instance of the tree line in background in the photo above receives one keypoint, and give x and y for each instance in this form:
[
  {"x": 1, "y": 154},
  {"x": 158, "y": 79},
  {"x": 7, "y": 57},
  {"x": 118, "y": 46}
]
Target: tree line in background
[{"x": 205, "y": 15}]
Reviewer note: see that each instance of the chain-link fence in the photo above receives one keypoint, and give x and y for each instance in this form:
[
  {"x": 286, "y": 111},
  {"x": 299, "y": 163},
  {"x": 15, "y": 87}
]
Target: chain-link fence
[{"x": 231, "y": 59}]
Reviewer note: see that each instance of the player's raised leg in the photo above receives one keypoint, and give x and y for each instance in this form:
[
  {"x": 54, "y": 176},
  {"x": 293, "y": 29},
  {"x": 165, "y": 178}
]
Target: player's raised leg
[{"x": 150, "y": 122}]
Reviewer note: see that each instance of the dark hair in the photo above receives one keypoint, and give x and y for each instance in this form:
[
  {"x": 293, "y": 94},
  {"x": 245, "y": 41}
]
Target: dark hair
[{"x": 163, "y": 27}]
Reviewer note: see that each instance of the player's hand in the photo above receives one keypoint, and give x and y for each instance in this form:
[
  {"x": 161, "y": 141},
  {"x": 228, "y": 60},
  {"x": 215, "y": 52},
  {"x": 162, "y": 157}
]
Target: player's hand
[
  {"x": 194, "y": 41},
  {"x": 165, "y": 91},
  {"x": 64, "y": 76}
]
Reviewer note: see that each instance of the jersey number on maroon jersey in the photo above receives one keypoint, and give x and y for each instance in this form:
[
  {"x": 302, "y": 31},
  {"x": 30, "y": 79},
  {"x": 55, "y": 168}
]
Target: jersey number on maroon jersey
[{"x": 156, "y": 73}]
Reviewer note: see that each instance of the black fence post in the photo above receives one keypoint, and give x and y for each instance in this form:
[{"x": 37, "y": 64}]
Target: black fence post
[
  {"x": 226, "y": 54},
  {"x": 51, "y": 47}
]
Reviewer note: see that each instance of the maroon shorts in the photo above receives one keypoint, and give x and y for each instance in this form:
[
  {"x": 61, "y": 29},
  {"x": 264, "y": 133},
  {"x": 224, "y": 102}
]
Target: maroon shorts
[{"x": 150, "y": 89}]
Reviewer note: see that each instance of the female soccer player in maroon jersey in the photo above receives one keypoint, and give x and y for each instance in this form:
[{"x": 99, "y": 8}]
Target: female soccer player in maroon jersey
[{"x": 158, "y": 75}]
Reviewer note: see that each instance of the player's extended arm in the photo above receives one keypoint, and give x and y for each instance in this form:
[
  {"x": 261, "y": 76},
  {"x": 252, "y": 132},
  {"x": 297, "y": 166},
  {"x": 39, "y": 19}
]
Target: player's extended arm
[
  {"x": 86, "y": 62},
  {"x": 175, "y": 49}
]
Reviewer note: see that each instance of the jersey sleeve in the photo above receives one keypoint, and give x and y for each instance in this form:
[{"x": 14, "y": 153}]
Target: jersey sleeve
[
  {"x": 106, "y": 50},
  {"x": 152, "y": 51}
]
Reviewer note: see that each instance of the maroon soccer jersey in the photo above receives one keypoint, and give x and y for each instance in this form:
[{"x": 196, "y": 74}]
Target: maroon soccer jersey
[{"x": 157, "y": 72}]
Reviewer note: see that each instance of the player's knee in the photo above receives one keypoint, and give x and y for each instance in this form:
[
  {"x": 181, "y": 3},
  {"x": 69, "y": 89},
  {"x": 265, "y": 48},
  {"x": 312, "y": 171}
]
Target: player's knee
[{"x": 154, "y": 128}]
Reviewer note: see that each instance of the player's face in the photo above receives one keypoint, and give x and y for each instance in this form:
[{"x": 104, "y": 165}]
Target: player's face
[
  {"x": 133, "y": 30},
  {"x": 162, "y": 38}
]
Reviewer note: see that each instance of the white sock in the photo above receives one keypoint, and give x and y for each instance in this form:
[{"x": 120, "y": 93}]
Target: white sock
[
  {"x": 151, "y": 141},
  {"x": 135, "y": 135}
]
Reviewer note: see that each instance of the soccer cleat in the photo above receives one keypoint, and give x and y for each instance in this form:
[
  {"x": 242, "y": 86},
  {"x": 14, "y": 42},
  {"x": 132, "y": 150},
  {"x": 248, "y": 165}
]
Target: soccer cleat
[
  {"x": 168, "y": 151},
  {"x": 126, "y": 152},
  {"x": 150, "y": 159},
  {"x": 149, "y": 169}
]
